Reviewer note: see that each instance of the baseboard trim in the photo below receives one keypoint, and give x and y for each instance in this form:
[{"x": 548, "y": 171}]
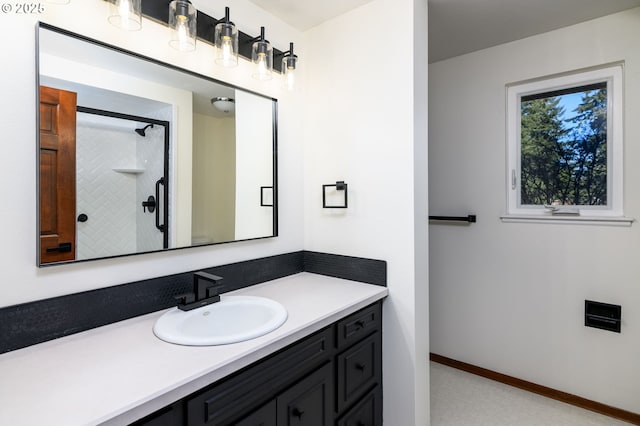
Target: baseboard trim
[{"x": 568, "y": 398}]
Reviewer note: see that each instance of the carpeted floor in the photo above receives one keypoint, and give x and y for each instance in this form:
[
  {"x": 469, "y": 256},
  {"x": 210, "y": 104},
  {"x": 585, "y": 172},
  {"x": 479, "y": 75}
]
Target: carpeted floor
[{"x": 459, "y": 398}]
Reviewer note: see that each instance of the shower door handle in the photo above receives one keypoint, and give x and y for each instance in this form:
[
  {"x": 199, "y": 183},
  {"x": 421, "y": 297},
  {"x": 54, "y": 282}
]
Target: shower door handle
[{"x": 158, "y": 225}]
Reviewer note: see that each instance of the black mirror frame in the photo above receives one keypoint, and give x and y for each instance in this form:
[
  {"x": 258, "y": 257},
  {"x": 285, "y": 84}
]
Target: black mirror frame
[{"x": 43, "y": 25}]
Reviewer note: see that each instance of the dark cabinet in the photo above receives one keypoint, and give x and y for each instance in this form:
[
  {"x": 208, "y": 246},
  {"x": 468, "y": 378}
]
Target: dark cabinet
[
  {"x": 263, "y": 416},
  {"x": 367, "y": 412},
  {"x": 229, "y": 400},
  {"x": 170, "y": 415},
  {"x": 333, "y": 377},
  {"x": 358, "y": 370},
  {"x": 358, "y": 325},
  {"x": 309, "y": 402}
]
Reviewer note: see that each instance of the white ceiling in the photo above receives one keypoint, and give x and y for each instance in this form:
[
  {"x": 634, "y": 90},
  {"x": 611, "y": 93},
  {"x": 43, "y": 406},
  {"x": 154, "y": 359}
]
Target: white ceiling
[
  {"x": 457, "y": 27},
  {"x": 302, "y": 14}
]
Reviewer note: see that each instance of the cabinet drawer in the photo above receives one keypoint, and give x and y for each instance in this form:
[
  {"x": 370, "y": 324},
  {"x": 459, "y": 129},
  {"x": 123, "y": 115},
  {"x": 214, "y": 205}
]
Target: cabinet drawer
[
  {"x": 367, "y": 412},
  {"x": 359, "y": 369},
  {"x": 223, "y": 403},
  {"x": 309, "y": 402},
  {"x": 358, "y": 325},
  {"x": 263, "y": 416}
]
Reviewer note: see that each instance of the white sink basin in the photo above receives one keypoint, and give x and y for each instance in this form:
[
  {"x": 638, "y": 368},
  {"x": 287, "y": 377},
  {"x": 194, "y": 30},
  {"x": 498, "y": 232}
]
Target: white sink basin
[{"x": 233, "y": 319}]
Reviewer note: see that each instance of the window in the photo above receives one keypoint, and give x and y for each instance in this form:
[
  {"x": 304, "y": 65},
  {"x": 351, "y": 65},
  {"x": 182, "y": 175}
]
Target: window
[{"x": 565, "y": 145}]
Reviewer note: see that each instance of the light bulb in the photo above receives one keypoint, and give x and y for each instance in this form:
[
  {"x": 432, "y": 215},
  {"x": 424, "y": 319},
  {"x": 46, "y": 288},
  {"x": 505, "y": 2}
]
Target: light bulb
[
  {"x": 124, "y": 11},
  {"x": 262, "y": 65},
  {"x": 182, "y": 21},
  {"x": 289, "y": 62},
  {"x": 126, "y": 14},
  {"x": 291, "y": 78},
  {"x": 262, "y": 57},
  {"x": 227, "y": 51},
  {"x": 226, "y": 41},
  {"x": 182, "y": 29}
]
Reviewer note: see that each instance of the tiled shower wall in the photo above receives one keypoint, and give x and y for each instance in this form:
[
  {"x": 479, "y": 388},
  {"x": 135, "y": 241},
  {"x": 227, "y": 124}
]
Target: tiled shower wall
[
  {"x": 112, "y": 200},
  {"x": 105, "y": 196}
]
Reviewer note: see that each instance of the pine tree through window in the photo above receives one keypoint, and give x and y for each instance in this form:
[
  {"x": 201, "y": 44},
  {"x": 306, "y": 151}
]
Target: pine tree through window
[
  {"x": 563, "y": 147},
  {"x": 565, "y": 144}
]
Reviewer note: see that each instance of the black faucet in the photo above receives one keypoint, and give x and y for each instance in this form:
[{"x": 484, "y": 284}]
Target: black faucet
[{"x": 205, "y": 292}]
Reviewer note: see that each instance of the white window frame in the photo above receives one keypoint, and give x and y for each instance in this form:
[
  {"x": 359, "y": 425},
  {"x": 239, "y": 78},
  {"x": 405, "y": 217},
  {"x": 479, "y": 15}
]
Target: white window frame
[{"x": 613, "y": 76}]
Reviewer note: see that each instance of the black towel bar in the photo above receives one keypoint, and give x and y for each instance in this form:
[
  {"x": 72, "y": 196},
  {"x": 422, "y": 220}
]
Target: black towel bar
[{"x": 469, "y": 218}]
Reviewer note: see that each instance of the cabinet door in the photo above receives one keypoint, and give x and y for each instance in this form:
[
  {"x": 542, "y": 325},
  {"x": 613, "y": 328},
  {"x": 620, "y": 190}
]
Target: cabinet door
[
  {"x": 309, "y": 402},
  {"x": 359, "y": 369},
  {"x": 367, "y": 412},
  {"x": 263, "y": 416}
]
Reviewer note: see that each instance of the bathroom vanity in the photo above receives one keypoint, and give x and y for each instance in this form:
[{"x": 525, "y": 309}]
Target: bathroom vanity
[
  {"x": 323, "y": 366},
  {"x": 302, "y": 384}
]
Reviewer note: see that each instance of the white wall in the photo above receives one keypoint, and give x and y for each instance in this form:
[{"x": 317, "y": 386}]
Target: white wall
[
  {"x": 510, "y": 296},
  {"x": 367, "y": 126},
  {"x": 359, "y": 112},
  {"x": 254, "y": 168},
  {"x": 21, "y": 280}
]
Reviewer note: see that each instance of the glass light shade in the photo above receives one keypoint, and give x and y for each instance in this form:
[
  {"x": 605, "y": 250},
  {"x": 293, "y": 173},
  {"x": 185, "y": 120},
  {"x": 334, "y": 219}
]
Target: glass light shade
[
  {"x": 262, "y": 57},
  {"x": 226, "y": 40},
  {"x": 226, "y": 105},
  {"x": 289, "y": 63},
  {"x": 126, "y": 14},
  {"x": 182, "y": 21}
]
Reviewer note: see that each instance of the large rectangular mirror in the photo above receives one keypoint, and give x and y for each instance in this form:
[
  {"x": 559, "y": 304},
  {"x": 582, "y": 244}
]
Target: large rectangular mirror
[{"x": 137, "y": 156}]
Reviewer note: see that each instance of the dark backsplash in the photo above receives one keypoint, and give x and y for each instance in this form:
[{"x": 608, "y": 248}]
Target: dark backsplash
[{"x": 36, "y": 322}]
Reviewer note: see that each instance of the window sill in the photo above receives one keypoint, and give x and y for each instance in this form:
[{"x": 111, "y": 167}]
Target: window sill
[{"x": 577, "y": 220}]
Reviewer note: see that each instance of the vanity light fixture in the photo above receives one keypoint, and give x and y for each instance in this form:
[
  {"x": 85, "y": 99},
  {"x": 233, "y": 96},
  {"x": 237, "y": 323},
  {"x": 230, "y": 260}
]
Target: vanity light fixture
[
  {"x": 262, "y": 57},
  {"x": 126, "y": 14},
  {"x": 226, "y": 105},
  {"x": 289, "y": 62},
  {"x": 226, "y": 41},
  {"x": 187, "y": 24},
  {"x": 182, "y": 21}
]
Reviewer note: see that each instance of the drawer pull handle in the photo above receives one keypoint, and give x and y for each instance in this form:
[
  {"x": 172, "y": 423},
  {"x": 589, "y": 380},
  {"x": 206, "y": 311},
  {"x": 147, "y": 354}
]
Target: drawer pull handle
[
  {"x": 360, "y": 367},
  {"x": 359, "y": 324},
  {"x": 297, "y": 413},
  {"x": 360, "y": 423}
]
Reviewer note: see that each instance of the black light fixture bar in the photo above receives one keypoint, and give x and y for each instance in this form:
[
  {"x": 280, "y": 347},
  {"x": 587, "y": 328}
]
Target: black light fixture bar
[{"x": 159, "y": 12}]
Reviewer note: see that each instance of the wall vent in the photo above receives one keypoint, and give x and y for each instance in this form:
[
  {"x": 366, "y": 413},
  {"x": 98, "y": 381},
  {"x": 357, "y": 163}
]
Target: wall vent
[{"x": 602, "y": 315}]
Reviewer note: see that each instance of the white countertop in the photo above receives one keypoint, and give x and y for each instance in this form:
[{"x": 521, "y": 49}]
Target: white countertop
[{"x": 121, "y": 372}]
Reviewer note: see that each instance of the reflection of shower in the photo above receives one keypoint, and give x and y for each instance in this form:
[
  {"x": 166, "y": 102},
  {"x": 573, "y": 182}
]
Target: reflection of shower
[{"x": 141, "y": 132}]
